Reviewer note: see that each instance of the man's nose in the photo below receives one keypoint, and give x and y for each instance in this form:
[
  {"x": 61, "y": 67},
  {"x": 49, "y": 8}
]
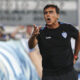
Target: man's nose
[{"x": 48, "y": 14}]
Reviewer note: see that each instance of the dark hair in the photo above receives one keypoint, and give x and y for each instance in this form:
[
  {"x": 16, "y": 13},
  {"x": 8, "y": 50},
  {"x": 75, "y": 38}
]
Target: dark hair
[{"x": 53, "y": 6}]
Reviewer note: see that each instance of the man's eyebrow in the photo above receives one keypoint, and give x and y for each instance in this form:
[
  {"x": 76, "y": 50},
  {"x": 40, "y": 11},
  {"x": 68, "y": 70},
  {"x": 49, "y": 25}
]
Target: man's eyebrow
[{"x": 50, "y": 11}]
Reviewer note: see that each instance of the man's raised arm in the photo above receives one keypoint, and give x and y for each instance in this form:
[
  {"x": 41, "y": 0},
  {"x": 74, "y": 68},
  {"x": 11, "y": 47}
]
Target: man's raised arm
[{"x": 33, "y": 40}]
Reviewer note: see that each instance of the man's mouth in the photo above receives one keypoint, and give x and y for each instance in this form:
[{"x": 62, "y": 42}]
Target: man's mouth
[{"x": 48, "y": 19}]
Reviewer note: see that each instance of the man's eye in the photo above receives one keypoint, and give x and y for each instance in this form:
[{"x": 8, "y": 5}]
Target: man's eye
[
  {"x": 45, "y": 12},
  {"x": 50, "y": 11}
]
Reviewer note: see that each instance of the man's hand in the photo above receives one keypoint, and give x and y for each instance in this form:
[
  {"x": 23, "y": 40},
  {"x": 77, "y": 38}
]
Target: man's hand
[
  {"x": 36, "y": 30},
  {"x": 33, "y": 40},
  {"x": 75, "y": 59}
]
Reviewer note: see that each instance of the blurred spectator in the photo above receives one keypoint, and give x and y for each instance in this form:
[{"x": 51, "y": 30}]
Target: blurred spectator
[
  {"x": 28, "y": 31},
  {"x": 6, "y": 36},
  {"x": 34, "y": 54},
  {"x": 14, "y": 34},
  {"x": 3, "y": 36},
  {"x": 1, "y": 31},
  {"x": 22, "y": 32},
  {"x": 37, "y": 60}
]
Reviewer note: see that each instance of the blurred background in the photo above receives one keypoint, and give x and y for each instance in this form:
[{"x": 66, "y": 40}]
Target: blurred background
[{"x": 17, "y": 61}]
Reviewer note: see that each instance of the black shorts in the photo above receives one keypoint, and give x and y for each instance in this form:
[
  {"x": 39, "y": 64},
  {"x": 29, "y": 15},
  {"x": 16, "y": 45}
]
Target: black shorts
[{"x": 72, "y": 75}]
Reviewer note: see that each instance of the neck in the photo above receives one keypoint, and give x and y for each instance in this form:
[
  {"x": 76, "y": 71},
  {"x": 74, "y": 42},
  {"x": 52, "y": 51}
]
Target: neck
[{"x": 54, "y": 25}]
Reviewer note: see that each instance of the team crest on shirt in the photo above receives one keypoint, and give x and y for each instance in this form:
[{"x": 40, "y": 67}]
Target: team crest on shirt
[{"x": 64, "y": 34}]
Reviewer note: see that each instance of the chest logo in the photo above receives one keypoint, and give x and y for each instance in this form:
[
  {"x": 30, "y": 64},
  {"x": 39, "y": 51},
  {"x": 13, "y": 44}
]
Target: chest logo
[
  {"x": 48, "y": 37},
  {"x": 64, "y": 34}
]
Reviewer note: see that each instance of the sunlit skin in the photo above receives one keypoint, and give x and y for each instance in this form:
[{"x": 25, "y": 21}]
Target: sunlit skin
[{"x": 51, "y": 17}]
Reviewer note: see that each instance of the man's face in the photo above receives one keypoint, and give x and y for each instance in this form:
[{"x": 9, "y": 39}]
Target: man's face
[{"x": 50, "y": 16}]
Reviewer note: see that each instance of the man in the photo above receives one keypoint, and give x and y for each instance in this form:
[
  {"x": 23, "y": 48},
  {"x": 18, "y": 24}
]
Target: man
[
  {"x": 55, "y": 46},
  {"x": 3, "y": 36}
]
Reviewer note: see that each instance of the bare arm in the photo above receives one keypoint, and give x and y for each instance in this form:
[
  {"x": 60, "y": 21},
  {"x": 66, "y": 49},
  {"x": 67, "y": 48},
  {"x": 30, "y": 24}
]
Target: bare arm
[
  {"x": 77, "y": 47},
  {"x": 33, "y": 40}
]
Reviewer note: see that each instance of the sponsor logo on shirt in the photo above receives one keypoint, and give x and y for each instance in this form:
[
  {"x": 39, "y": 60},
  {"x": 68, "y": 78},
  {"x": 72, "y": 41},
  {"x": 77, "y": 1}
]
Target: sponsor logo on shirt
[
  {"x": 64, "y": 34},
  {"x": 48, "y": 37}
]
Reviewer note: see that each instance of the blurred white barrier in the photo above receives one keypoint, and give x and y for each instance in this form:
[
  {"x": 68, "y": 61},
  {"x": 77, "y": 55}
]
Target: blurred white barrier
[{"x": 15, "y": 63}]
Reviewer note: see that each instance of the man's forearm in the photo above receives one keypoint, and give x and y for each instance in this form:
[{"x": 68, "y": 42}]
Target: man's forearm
[{"x": 32, "y": 42}]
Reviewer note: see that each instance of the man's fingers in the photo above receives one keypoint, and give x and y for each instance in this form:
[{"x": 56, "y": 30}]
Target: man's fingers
[{"x": 35, "y": 27}]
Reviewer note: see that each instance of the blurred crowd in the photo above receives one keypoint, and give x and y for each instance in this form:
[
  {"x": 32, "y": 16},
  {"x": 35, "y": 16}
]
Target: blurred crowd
[{"x": 25, "y": 33}]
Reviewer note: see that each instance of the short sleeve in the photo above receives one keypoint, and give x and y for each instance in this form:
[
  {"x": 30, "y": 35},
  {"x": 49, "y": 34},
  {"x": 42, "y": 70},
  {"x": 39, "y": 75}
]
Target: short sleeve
[{"x": 74, "y": 32}]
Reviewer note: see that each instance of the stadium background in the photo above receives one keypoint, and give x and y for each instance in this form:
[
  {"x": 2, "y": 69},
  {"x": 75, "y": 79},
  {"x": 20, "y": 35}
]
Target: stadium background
[{"x": 15, "y": 13}]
